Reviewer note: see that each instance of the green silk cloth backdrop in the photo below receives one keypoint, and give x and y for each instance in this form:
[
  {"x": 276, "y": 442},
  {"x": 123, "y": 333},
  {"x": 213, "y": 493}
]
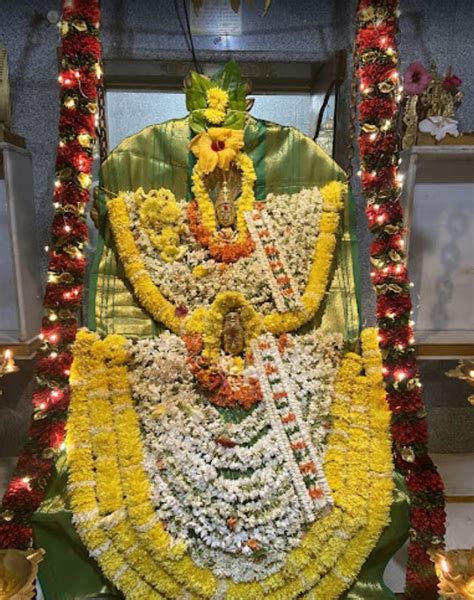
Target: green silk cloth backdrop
[{"x": 285, "y": 162}]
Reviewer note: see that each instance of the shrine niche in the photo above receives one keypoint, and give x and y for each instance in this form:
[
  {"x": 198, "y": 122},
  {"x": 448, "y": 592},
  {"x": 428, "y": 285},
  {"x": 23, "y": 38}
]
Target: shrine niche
[{"x": 227, "y": 448}]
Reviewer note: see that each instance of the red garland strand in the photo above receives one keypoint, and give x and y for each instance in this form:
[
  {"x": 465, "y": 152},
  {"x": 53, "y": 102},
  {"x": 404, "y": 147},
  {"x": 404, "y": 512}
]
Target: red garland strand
[
  {"x": 376, "y": 64},
  {"x": 78, "y": 79}
]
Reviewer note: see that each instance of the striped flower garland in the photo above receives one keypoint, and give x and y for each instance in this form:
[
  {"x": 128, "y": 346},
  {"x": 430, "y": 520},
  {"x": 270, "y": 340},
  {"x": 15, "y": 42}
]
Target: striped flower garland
[
  {"x": 79, "y": 78},
  {"x": 376, "y": 64}
]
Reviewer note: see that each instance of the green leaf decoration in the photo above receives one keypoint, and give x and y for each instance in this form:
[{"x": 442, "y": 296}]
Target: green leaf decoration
[
  {"x": 196, "y": 94},
  {"x": 228, "y": 78},
  {"x": 235, "y": 119},
  {"x": 197, "y": 122}
]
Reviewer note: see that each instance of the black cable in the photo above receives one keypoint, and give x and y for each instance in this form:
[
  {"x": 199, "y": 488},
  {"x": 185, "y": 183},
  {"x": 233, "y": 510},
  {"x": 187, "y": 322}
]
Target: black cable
[
  {"x": 191, "y": 41},
  {"x": 323, "y": 108}
]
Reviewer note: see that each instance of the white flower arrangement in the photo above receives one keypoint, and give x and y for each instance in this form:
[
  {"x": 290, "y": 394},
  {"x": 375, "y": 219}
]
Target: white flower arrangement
[
  {"x": 294, "y": 220},
  {"x": 231, "y": 488}
]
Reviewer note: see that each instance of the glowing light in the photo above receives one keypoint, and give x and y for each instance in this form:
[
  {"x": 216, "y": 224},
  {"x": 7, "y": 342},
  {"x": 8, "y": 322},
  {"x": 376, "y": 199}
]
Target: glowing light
[
  {"x": 53, "y": 355},
  {"x": 57, "y": 183},
  {"x": 53, "y": 337},
  {"x": 390, "y": 315},
  {"x": 55, "y": 394},
  {"x": 401, "y": 375},
  {"x": 444, "y": 565},
  {"x": 373, "y": 136},
  {"x": 67, "y": 228},
  {"x": 62, "y": 447},
  {"x": 42, "y": 406},
  {"x": 46, "y": 248},
  {"x": 53, "y": 317},
  {"x": 26, "y": 480}
]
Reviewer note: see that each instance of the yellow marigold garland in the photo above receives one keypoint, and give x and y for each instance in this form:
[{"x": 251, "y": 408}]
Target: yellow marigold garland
[
  {"x": 103, "y": 424},
  {"x": 164, "y": 311},
  {"x": 146, "y": 291}
]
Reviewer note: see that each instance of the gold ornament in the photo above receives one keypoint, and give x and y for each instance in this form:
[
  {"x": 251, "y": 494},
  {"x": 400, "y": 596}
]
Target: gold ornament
[
  {"x": 464, "y": 371},
  {"x": 233, "y": 334},
  {"x": 18, "y": 570},
  {"x": 410, "y": 120},
  {"x": 455, "y": 571}
]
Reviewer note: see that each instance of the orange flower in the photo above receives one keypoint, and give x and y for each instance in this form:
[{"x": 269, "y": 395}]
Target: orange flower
[
  {"x": 217, "y": 147},
  {"x": 308, "y": 467}
]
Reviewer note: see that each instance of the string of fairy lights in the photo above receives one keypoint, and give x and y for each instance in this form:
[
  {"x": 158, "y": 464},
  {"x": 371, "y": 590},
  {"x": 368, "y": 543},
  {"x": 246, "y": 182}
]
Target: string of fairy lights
[
  {"x": 79, "y": 79},
  {"x": 380, "y": 92}
]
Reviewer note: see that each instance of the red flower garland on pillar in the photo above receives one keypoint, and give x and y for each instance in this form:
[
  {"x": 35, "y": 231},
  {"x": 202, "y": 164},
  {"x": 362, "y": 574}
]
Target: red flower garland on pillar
[
  {"x": 376, "y": 64},
  {"x": 78, "y": 79}
]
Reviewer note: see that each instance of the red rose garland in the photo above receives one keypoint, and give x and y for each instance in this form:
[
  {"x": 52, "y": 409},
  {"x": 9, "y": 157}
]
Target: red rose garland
[
  {"x": 79, "y": 78},
  {"x": 376, "y": 64}
]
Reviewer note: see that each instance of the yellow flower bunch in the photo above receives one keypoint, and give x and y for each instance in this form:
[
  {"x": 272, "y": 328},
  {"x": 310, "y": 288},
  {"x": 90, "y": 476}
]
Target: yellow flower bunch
[
  {"x": 110, "y": 490},
  {"x": 164, "y": 311},
  {"x": 209, "y": 321},
  {"x": 217, "y": 103},
  {"x": 161, "y": 219},
  {"x": 244, "y": 203}
]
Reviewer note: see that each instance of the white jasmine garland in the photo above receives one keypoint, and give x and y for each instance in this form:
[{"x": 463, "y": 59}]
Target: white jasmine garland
[{"x": 199, "y": 483}]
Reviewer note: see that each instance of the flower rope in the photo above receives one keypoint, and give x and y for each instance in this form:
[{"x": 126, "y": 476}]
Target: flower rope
[
  {"x": 79, "y": 78},
  {"x": 376, "y": 61}
]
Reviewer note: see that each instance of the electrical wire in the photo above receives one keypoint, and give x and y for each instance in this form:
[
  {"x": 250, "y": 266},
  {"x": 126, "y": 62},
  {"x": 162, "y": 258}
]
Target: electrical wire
[{"x": 197, "y": 67}]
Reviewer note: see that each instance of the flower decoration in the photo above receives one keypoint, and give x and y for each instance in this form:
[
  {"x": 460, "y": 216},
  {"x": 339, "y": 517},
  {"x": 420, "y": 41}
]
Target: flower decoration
[
  {"x": 140, "y": 515},
  {"x": 439, "y": 127},
  {"x": 375, "y": 53},
  {"x": 416, "y": 79},
  {"x": 217, "y": 147},
  {"x": 217, "y": 102},
  {"x": 79, "y": 79},
  {"x": 161, "y": 219},
  {"x": 451, "y": 83}
]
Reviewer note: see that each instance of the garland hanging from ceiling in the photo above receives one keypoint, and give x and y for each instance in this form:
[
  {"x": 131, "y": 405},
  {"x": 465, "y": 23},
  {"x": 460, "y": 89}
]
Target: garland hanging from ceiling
[
  {"x": 78, "y": 79},
  {"x": 377, "y": 70}
]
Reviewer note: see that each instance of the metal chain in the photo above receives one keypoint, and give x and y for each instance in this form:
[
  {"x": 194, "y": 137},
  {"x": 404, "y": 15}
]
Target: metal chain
[
  {"x": 101, "y": 124},
  {"x": 353, "y": 111}
]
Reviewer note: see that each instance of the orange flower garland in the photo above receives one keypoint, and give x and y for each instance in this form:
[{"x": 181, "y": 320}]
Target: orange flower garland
[{"x": 227, "y": 252}]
